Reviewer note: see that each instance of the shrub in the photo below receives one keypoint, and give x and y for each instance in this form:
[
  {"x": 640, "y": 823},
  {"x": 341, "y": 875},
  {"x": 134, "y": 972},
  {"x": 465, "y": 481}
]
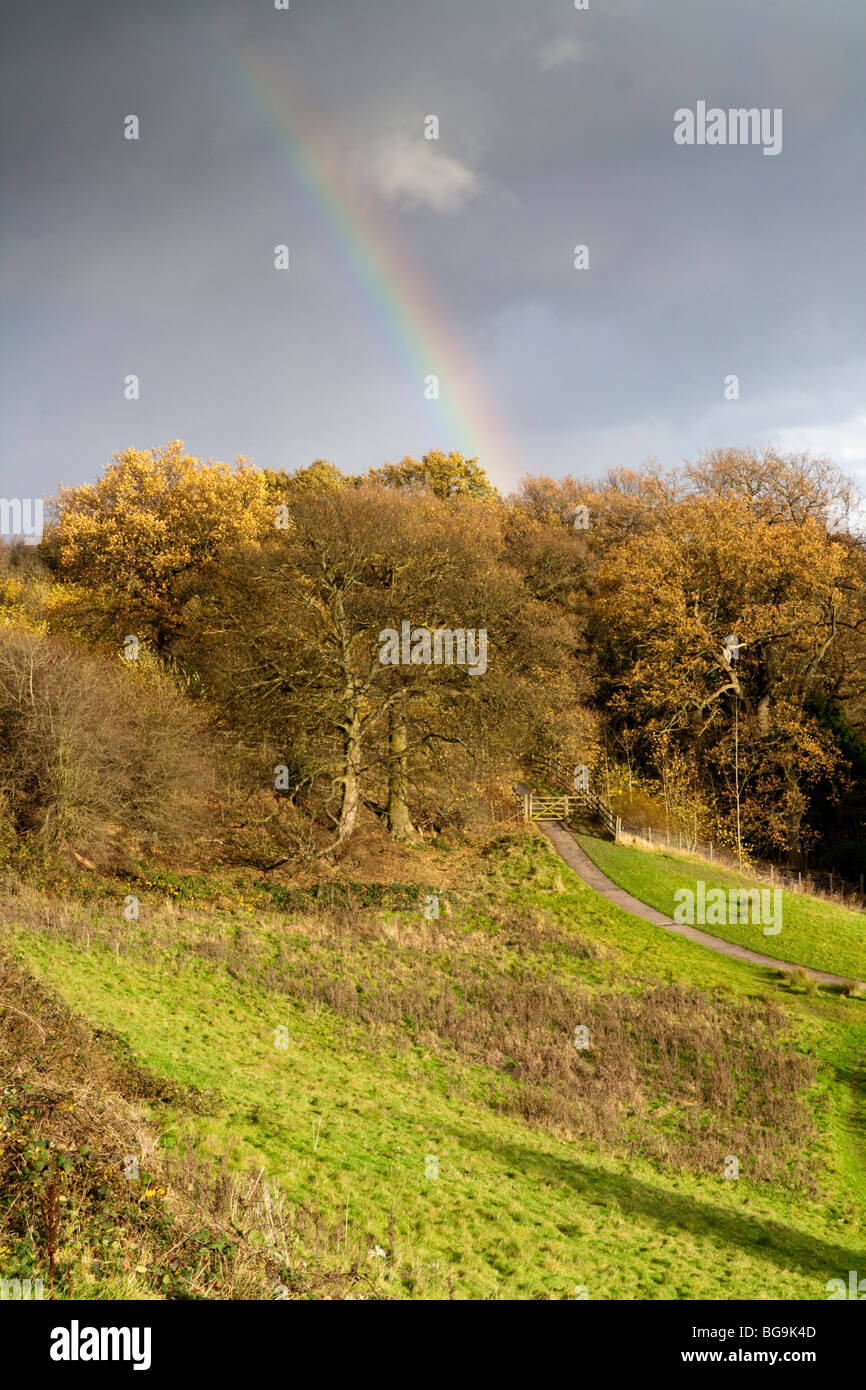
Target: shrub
[{"x": 91, "y": 748}]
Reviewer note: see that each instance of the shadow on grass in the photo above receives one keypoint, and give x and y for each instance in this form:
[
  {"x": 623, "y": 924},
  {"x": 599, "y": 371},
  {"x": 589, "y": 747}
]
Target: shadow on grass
[{"x": 763, "y": 1237}]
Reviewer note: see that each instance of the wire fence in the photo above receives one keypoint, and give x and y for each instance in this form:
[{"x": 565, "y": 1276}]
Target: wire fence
[{"x": 818, "y": 883}]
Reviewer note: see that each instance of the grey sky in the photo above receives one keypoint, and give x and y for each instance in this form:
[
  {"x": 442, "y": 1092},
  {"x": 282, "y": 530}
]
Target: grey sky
[{"x": 451, "y": 257}]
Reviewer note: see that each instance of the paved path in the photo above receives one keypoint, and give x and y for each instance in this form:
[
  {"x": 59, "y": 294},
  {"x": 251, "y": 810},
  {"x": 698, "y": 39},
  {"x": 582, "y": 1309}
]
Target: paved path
[{"x": 577, "y": 859}]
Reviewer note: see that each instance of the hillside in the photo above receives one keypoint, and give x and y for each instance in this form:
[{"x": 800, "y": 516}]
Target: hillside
[{"x": 425, "y": 1124}]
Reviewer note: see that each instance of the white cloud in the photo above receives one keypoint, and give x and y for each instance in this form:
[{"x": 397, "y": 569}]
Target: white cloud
[
  {"x": 560, "y": 51},
  {"x": 844, "y": 442},
  {"x": 414, "y": 174}
]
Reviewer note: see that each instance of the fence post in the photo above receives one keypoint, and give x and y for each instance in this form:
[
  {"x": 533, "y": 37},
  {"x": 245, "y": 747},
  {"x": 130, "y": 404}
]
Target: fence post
[
  {"x": 617, "y": 830},
  {"x": 799, "y": 881},
  {"x": 831, "y": 882}
]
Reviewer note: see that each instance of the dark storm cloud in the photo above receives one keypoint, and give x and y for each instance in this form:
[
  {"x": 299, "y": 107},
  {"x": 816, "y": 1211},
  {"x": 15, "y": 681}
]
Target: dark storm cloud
[{"x": 556, "y": 129}]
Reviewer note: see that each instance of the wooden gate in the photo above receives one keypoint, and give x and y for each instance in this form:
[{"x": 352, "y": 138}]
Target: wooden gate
[{"x": 539, "y": 807}]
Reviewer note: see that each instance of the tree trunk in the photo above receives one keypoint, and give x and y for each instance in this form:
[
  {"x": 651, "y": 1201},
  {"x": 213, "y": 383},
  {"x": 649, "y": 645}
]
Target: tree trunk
[
  {"x": 794, "y": 811},
  {"x": 764, "y": 716},
  {"x": 763, "y": 683},
  {"x": 351, "y": 765},
  {"x": 350, "y": 726},
  {"x": 399, "y": 821}
]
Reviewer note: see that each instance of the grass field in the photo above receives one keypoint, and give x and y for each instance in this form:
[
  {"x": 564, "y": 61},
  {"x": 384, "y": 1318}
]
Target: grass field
[
  {"x": 819, "y": 934},
  {"x": 429, "y": 1104}
]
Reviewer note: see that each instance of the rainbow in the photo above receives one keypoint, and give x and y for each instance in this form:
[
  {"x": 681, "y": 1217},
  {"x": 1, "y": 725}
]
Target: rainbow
[{"x": 384, "y": 273}]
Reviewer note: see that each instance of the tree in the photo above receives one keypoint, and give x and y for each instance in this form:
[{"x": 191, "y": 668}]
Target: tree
[
  {"x": 147, "y": 534},
  {"x": 287, "y": 639},
  {"x": 712, "y": 565},
  {"x": 446, "y": 475},
  {"x": 786, "y": 488},
  {"x": 444, "y": 572},
  {"x": 319, "y": 476}
]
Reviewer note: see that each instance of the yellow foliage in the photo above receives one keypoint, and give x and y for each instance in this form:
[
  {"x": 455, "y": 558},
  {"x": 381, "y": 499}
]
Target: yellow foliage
[{"x": 156, "y": 517}]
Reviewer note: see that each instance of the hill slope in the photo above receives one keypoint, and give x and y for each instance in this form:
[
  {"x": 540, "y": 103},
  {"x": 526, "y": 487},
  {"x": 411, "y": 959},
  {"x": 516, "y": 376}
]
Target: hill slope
[{"x": 431, "y": 1125}]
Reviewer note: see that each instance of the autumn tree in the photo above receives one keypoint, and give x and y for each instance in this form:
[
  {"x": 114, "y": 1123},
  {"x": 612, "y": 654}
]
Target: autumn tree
[
  {"x": 144, "y": 537},
  {"x": 725, "y": 608},
  {"x": 288, "y": 637},
  {"x": 787, "y": 488},
  {"x": 445, "y": 573},
  {"x": 546, "y": 541},
  {"x": 318, "y": 476},
  {"x": 445, "y": 475}
]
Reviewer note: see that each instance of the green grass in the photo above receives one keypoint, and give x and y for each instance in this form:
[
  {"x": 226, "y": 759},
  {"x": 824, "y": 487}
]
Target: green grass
[
  {"x": 348, "y": 1114},
  {"x": 815, "y": 933}
]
